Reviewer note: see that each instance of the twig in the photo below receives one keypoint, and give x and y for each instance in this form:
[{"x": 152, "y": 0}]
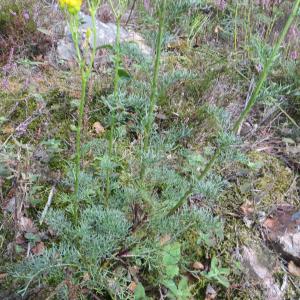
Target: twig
[
  {"x": 287, "y": 115},
  {"x": 131, "y": 10},
  {"x": 48, "y": 204}
]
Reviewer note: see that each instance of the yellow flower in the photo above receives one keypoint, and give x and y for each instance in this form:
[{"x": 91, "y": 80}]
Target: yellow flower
[{"x": 73, "y": 6}]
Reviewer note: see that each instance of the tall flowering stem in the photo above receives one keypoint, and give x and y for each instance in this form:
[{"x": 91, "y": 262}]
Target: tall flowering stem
[
  {"x": 118, "y": 11},
  {"x": 153, "y": 95},
  {"x": 72, "y": 7},
  {"x": 250, "y": 104}
]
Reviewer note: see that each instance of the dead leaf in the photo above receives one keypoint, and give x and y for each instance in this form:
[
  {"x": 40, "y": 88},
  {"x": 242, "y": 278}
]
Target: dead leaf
[
  {"x": 8, "y": 129},
  {"x": 293, "y": 269},
  {"x": 26, "y": 224},
  {"x": 164, "y": 239},
  {"x": 86, "y": 277},
  {"x": 20, "y": 240},
  {"x": 198, "y": 265},
  {"x": 247, "y": 208},
  {"x": 269, "y": 223},
  {"x": 3, "y": 276},
  {"x": 133, "y": 270},
  {"x": 38, "y": 249},
  {"x": 99, "y": 129},
  {"x": 132, "y": 286}
]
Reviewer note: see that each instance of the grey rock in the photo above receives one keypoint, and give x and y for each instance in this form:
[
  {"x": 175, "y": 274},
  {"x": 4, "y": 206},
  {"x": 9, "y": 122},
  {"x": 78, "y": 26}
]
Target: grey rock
[
  {"x": 106, "y": 35},
  {"x": 282, "y": 230},
  {"x": 259, "y": 271},
  {"x": 290, "y": 243},
  {"x": 65, "y": 50}
]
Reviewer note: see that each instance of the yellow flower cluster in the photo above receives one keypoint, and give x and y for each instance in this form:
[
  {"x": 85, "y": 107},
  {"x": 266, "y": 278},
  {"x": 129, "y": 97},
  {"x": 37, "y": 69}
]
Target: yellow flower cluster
[{"x": 73, "y": 6}]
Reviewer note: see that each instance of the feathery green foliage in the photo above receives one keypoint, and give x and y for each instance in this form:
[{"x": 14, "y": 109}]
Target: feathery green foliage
[{"x": 146, "y": 199}]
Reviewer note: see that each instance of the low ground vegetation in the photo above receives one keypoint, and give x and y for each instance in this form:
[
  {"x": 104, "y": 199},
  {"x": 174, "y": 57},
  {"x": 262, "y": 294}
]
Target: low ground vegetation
[{"x": 136, "y": 177}]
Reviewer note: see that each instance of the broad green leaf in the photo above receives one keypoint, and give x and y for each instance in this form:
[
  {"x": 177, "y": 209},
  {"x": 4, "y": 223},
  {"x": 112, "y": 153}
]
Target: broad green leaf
[
  {"x": 139, "y": 293},
  {"x": 32, "y": 237},
  {"x": 172, "y": 271},
  {"x": 183, "y": 284},
  {"x": 217, "y": 273},
  {"x": 123, "y": 74},
  {"x": 223, "y": 280},
  {"x": 171, "y": 285},
  {"x": 171, "y": 254}
]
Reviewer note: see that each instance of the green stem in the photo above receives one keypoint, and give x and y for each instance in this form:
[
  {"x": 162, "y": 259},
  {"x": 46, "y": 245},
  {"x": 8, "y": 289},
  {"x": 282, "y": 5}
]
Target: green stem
[
  {"x": 78, "y": 131},
  {"x": 116, "y": 84},
  {"x": 266, "y": 68},
  {"x": 249, "y": 105},
  {"x": 116, "y": 98},
  {"x": 85, "y": 76},
  {"x": 74, "y": 26},
  {"x": 153, "y": 95},
  {"x": 94, "y": 29},
  {"x": 235, "y": 27}
]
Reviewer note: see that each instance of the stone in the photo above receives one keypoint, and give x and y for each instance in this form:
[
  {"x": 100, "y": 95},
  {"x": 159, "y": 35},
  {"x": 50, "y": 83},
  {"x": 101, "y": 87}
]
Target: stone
[
  {"x": 282, "y": 231},
  {"x": 106, "y": 35},
  {"x": 259, "y": 271}
]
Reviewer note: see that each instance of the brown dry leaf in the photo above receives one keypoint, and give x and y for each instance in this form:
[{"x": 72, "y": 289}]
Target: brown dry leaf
[
  {"x": 132, "y": 286},
  {"x": 134, "y": 270},
  {"x": 20, "y": 240},
  {"x": 8, "y": 129},
  {"x": 293, "y": 269},
  {"x": 164, "y": 239},
  {"x": 38, "y": 249},
  {"x": 26, "y": 224},
  {"x": 247, "y": 208},
  {"x": 3, "y": 276},
  {"x": 198, "y": 265},
  {"x": 98, "y": 128},
  {"x": 86, "y": 277},
  {"x": 269, "y": 223}
]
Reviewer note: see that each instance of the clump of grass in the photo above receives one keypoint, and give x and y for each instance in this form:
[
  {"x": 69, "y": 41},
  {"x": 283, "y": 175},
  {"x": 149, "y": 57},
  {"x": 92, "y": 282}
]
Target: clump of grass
[
  {"x": 254, "y": 96},
  {"x": 19, "y": 31}
]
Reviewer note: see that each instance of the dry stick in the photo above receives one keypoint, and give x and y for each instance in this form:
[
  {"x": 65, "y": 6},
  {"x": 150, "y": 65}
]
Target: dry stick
[
  {"x": 248, "y": 107},
  {"x": 131, "y": 11},
  {"x": 48, "y": 204}
]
